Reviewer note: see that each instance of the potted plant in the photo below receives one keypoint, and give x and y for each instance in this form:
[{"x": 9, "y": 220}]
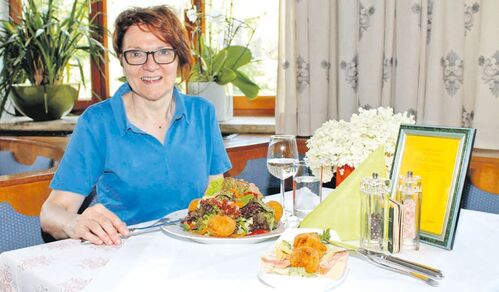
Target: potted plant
[
  {"x": 37, "y": 52},
  {"x": 218, "y": 67}
]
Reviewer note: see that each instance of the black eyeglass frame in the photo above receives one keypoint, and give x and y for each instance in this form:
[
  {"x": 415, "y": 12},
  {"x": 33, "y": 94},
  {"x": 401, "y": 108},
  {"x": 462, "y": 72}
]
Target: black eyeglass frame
[{"x": 153, "y": 56}]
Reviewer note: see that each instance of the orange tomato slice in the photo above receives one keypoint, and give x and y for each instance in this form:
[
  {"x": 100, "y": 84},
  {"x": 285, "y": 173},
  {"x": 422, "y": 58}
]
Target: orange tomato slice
[
  {"x": 193, "y": 205},
  {"x": 278, "y": 210}
]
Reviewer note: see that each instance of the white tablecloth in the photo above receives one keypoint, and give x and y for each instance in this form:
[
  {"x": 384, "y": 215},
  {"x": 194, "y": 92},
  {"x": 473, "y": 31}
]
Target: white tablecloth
[{"x": 158, "y": 262}]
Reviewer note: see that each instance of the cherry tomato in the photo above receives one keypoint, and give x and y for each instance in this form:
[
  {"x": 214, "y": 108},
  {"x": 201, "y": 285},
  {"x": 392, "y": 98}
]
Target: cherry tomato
[{"x": 258, "y": 231}]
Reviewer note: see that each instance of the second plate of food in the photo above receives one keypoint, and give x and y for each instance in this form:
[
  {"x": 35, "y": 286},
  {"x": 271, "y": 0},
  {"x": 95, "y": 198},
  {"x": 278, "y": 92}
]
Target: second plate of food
[{"x": 289, "y": 264}]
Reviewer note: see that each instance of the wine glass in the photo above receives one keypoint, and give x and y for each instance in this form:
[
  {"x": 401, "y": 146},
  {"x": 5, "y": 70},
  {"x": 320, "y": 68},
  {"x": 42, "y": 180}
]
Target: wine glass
[{"x": 281, "y": 156}]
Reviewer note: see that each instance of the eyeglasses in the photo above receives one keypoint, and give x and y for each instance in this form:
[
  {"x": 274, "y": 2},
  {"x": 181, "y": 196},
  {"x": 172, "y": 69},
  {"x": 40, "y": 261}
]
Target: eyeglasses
[{"x": 139, "y": 57}]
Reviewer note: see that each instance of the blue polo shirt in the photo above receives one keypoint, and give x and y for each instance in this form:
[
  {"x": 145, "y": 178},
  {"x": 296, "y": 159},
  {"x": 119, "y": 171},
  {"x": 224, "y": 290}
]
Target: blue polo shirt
[{"x": 137, "y": 177}]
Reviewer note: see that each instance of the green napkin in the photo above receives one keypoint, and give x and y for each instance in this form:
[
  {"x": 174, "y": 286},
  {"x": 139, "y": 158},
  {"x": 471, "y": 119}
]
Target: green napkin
[{"x": 340, "y": 211}]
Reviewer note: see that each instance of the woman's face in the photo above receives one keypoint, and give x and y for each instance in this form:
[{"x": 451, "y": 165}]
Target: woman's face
[{"x": 151, "y": 80}]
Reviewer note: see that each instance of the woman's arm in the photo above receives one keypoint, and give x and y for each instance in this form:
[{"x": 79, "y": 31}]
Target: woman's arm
[{"x": 96, "y": 224}]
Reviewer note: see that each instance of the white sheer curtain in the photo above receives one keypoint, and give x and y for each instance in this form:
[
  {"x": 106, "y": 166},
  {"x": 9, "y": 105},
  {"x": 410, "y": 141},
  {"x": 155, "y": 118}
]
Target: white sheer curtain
[
  {"x": 438, "y": 60},
  {"x": 4, "y": 15}
]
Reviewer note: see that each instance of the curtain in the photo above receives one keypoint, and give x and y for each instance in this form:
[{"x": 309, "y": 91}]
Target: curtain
[
  {"x": 4, "y": 15},
  {"x": 438, "y": 60}
]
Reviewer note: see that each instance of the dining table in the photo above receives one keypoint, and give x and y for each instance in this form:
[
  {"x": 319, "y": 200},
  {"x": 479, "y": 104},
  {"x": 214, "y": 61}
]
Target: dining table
[{"x": 159, "y": 261}]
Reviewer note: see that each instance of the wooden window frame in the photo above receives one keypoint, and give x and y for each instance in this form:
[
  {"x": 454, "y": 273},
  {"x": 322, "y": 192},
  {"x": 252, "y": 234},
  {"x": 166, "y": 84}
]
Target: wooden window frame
[
  {"x": 263, "y": 105},
  {"x": 260, "y": 106},
  {"x": 99, "y": 71}
]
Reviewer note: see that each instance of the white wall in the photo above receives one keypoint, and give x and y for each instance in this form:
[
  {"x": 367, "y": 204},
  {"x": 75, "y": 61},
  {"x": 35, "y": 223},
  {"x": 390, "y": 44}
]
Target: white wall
[{"x": 4, "y": 9}]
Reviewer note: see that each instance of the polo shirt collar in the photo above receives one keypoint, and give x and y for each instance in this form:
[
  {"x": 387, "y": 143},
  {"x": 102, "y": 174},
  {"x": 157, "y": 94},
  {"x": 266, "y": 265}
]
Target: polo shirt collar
[
  {"x": 180, "y": 109},
  {"x": 118, "y": 107}
]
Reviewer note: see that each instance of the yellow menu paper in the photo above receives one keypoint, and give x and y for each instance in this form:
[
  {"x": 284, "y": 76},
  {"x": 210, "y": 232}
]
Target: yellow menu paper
[{"x": 434, "y": 159}]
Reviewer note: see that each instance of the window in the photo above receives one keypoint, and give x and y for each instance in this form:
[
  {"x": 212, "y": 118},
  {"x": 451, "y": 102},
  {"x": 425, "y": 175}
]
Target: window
[
  {"x": 4, "y": 10},
  {"x": 263, "y": 14},
  {"x": 4, "y": 14},
  {"x": 92, "y": 91},
  {"x": 74, "y": 75}
]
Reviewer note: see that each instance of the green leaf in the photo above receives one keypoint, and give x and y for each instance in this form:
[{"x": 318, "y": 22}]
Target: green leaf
[
  {"x": 225, "y": 76},
  {"x": 237, "y": 56},
  {"x": 246, "y": 199},
  {"x": 214, "y": 187},
  {"x": 325, "y": 236},
  {"x": 248, "y": 87},
  {"x": 218, "y": 62}
]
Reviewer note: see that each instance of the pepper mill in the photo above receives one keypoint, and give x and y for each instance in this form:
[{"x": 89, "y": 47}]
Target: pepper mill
[{"x": 375, "y": 196}]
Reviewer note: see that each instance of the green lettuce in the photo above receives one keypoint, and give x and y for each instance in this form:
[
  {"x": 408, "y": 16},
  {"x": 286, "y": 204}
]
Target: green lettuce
[{"x": 214, "y": 187}]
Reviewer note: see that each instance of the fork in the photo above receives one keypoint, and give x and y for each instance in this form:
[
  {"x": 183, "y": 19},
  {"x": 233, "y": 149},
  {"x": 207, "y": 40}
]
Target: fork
[
  {"x": 161, "y": 222},
  {"x": 413, "y": 274},
  {"x": 144, "y": 229},
  {"x": 372, "y": 258},
  {"x": 417, "y": 267}
]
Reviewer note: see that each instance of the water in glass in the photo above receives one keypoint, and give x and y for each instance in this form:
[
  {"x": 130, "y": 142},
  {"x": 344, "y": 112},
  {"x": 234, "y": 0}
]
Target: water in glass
[
  {"x": 281, "y": 154},
  {"x": 281, "y": 168},
  {"x": 306, "y": 190}
]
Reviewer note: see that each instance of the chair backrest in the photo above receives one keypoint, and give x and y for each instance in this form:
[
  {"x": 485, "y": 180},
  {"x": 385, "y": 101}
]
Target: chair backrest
[
  {"x": 27, "y": 168},
  {"x": 474, "y": 198},
  {"x": 249, "y": 162}
]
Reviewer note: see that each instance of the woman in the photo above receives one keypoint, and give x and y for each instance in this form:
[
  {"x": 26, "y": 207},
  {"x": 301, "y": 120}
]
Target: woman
[{"x": 148, "y": 150}]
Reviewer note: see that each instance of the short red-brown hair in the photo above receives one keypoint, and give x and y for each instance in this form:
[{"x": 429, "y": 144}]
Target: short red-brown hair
[{"x": 164, "y": 24}]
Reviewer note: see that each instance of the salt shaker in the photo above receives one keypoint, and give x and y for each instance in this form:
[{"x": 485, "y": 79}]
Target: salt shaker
[
  {"x": 409, "y": 193},
  {"x": 374, "y": 205}
]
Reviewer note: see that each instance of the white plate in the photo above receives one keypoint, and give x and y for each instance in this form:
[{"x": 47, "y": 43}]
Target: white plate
[
  {"x": 300, "y": 283},
  {"x": 178, "y": 231}
]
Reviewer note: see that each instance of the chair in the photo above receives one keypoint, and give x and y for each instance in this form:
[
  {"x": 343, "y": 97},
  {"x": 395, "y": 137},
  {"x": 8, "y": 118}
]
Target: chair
[
  {"x": 26, "y": 169},
  {"x": 474, "y": 198},
  {"x": 481, "y": 187}
]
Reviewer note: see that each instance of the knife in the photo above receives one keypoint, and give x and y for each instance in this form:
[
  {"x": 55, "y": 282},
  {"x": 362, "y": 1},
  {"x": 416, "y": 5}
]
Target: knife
[
  {"x": 430, "y": 271},
  {"x": 424, "y": 269},
  {"x": 410, "y": 273}
]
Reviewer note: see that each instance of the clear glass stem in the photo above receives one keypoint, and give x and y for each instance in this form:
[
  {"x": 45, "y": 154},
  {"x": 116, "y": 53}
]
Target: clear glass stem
[{"x": 282, "y": 196}]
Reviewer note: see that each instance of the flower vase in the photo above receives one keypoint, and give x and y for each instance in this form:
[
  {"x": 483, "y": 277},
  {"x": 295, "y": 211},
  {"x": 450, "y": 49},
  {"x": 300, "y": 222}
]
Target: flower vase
[
  {"x": 342, "y": 173},
  {"x": 219, "y": 95}
]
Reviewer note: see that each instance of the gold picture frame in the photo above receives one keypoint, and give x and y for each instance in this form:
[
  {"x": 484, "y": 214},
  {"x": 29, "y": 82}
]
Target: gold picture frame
[{"x": 440, "y": 155}]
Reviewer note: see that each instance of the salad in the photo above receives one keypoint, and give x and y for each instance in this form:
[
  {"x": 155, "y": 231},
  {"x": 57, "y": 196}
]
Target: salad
[
  {"x": 232, "y": 208},
  {"x": 308, "y": 254}
]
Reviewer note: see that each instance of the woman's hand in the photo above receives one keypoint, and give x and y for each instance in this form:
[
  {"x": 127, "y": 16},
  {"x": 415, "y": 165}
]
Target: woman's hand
[{"x": 98, "y": 225}]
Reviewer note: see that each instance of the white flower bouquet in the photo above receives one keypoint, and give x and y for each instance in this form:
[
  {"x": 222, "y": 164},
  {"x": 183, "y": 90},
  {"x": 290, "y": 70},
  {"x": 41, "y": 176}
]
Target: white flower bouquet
[{"x": 340, "y": 143}]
